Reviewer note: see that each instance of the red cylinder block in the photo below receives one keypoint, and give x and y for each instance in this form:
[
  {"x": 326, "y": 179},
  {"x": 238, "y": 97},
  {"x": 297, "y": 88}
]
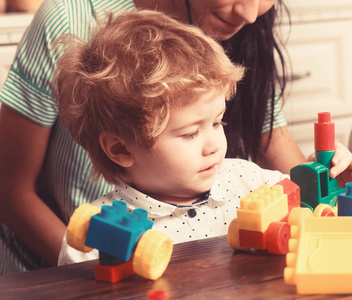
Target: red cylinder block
[{"x": 324, "y": 133}]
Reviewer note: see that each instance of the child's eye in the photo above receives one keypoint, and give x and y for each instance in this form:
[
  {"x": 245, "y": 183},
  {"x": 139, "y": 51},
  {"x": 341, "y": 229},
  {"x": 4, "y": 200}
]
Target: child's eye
[{"x": 190, "y": 136}]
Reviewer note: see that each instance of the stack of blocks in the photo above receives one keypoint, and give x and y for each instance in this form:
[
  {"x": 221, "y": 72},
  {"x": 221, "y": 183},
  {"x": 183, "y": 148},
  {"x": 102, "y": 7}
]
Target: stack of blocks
[
  {"x": 262, "y": 218},
  {"x": 127, "y": 245},
  {"x": 320, "y": 248},
  {"x": 313, "y": 177},
  {"x": 115, "y": 233}
]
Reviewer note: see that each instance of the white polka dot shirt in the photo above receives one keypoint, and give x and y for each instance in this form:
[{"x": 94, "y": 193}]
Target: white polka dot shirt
[{"x": 208, "y": 217}]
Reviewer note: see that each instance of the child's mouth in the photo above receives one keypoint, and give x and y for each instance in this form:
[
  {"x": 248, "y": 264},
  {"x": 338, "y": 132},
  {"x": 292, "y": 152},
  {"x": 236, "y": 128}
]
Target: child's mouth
[{"x": 209, "y": 170}]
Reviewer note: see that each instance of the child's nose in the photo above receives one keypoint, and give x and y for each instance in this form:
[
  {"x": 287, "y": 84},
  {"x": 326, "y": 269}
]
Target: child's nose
[
  {"x": 212, "y": 144},
  {"x": 247, "y": 10}
]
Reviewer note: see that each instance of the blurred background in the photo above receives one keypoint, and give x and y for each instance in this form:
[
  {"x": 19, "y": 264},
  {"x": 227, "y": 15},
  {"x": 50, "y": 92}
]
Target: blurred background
[{"x": 319, "y": 47}]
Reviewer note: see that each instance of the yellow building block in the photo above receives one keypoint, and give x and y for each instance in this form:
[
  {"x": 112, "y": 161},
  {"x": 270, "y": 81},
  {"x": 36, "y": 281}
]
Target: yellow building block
[
  {"x": 319, "y": 259},
  {"x": 262, "y": 207}
]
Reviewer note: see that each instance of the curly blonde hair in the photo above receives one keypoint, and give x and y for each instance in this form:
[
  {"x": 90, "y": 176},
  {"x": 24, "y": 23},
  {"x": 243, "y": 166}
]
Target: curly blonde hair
[{"x": 128, "y": 76}]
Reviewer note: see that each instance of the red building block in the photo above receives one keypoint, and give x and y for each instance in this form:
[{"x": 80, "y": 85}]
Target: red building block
[
  {"x": 157, "y": 295},
  {"x": 114, "y": 273},
  {"x": 292, "y": 191},
  {"x": 252, "y": 239}
]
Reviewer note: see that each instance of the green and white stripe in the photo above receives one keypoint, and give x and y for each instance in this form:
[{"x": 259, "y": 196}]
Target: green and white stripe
[
  {"x": 279, "y": 119},
  {"x": 27, "y": 90}
]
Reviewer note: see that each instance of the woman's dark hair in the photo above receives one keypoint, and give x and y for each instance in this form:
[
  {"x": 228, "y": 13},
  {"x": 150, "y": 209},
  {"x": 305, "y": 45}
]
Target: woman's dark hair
[{"x": 254, "y": 47}]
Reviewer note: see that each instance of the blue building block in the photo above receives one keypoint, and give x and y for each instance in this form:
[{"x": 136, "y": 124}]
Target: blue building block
[
  {"x": 115, "y": 231},
  {"x": 344, "y": 202}
]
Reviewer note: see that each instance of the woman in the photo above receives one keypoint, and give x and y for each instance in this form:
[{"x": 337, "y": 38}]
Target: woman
[{"x": 44, "y": 175}]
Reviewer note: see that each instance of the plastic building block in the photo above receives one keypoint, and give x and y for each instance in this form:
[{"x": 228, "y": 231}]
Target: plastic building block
[
  {"x": 345, "y": 201},
  {"x": 297, "y": 214},
  {"x": 150, "y": 260},
  {"x": 274, "y": 239},
  {"x": 262, "y": 218},
  {"x": 277, "y": 237},
  {"x": 116, "y": 231},
  {"x": 113, "y": 273},
  {"x": 292, "y": 191},
  {"x": 324, "y": 133},
  {"x": 323, "y": 210},
  {"x": 261, "y": 207},
  {"x": 233, "y": 236},
  {"x": 316, "y": 187},
  {"x": 109, "y": 260},
  {"x": 152, "y": 254},
  {"x": 251, "y": 239},
  {"x": 319, "y": 261},
  {"x": 157, "y": 295}
]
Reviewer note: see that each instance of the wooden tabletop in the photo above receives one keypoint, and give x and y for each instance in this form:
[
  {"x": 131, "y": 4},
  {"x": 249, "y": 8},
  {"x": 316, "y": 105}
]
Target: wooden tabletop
[{"x": 205, "y": 269}]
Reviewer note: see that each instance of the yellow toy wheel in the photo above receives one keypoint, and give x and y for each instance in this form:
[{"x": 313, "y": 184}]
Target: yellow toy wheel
[
  {"x": 152, "y": 255},
  {"x": 297, "y": 214},
  {"x": 323, "y": 210},
  {"x": 335, "y": 210},
  {"x": 233, "y": 235},
  {"x": 77, "y": 227}
]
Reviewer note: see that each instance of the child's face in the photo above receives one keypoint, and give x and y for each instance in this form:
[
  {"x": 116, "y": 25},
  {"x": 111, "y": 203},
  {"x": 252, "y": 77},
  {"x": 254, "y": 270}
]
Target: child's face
[{"x": 187, "y": 155}]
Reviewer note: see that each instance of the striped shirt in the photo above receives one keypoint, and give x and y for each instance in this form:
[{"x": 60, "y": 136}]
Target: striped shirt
[
  {"x": 278, "y": 117},
  {"x": 64, "y": 182}
]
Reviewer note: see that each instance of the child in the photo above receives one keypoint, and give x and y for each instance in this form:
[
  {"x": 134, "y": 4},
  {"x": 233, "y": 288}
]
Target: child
[{"x": 145, "y": 97}]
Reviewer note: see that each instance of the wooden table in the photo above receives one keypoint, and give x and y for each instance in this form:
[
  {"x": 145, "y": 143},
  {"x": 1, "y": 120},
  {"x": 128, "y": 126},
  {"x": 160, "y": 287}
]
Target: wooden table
[{"x": 206, "y": 269}]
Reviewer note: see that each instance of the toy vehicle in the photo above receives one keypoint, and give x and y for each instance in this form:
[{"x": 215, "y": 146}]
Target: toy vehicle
[
  {"x": 313, "y": 177},
  {"x": 126, "y": 242},
  {"x": 262, "y": 218}
]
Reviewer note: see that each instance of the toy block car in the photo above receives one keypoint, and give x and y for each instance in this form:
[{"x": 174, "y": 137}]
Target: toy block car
[
  {"x": 262, "y": 218},
  {"x": 125, "y": 240}
]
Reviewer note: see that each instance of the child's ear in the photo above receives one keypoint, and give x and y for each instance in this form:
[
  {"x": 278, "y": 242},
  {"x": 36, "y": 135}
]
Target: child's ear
[{"x": 116, "y": 149}]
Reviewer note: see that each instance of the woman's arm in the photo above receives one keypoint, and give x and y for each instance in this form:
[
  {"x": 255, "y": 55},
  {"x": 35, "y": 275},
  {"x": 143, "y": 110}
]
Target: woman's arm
[
  {"x": 22, "y": 152},
  {"x": 282, "y": 152}
]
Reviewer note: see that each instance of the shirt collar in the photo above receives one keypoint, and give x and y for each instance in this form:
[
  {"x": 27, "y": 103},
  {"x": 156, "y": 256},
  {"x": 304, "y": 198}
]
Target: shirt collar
[{"x": 156, "y": 209}]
